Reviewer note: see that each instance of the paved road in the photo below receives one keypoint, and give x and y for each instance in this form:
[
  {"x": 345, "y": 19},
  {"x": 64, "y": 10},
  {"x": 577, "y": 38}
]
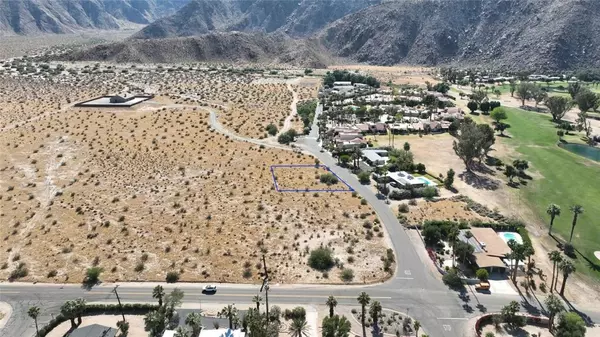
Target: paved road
[{"x": 414, "y": 288}]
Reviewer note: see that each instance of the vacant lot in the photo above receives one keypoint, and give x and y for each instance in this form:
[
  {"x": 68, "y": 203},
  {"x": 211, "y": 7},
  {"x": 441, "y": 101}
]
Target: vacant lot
[
  {"x": 446, "y": 209},
  {"x": 145, "y": 191},
  {"x": 307, "y": 179}
]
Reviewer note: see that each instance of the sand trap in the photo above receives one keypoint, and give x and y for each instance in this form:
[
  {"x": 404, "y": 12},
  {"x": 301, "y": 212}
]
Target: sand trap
[{"x": 597, "y": 254}]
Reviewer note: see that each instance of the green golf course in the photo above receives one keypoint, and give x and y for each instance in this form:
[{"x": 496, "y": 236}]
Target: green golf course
[{"x": 566, "y": 179}]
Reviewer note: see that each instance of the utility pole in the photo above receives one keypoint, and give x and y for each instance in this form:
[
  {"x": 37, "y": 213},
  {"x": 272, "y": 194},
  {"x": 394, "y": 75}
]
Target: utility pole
[
  {"x": 119, "y": 300},
  {"x": 265, "y": 286}
]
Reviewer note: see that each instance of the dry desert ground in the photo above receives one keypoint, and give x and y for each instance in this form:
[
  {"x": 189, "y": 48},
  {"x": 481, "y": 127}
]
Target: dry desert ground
[{"x": 143, "y": 191}]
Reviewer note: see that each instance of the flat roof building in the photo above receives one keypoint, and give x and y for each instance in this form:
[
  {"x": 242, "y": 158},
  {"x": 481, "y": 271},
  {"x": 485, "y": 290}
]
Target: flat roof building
[
  {"x": 406, "y": 180},
  {"x": 115, "y": 101}
]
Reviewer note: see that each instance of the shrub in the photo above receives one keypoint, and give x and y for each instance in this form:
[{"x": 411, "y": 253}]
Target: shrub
[
  {"x": 19, "y": 272},
  {"x": 321, "y": 259},
  {"x": 452, "y": 279},
  {"x": 92, "y": 275},
  {"x": 364, "y": 178},
  {"x": 402, "y": 208},
  {"x": 400, "y": 195},
  {"x": 429, "y": 192},
  {"x": 482, "y": 274},
  {"x": 569, "y": 249},
  {"x": 420, "y": 168},
  {"x": 328, "y": 178},
  {"x": 172, "y": 277},
  {"x": 296, "y": 313},
  {"x": 271, "y": 129},
  {"x": 347, "y": 275}
]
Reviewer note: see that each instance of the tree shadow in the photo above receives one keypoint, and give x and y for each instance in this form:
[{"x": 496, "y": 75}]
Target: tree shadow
[
  {"x": 479, "y": 181},
  {"x": 591, "y": 264},
  {"x": 587, "y": 319},
  {"x": 481, "y": 308},
  {"x": 467, "y": 308},
  {"x": 513, "y": 184}
]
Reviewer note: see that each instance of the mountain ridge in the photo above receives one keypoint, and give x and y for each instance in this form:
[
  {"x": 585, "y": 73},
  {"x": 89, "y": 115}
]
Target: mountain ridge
[{"x": 26, "y": 17}]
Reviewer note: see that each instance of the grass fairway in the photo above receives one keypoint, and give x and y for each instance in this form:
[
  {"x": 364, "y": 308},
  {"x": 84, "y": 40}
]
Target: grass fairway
[{"x": 568, "y": 179}]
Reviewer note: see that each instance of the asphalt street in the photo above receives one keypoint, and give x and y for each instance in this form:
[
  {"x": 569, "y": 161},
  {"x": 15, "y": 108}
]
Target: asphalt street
[{"x": 414, "y": 289}]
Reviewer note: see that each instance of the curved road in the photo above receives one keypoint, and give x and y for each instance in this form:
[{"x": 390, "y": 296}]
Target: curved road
[{"x": 414, "y": 288}]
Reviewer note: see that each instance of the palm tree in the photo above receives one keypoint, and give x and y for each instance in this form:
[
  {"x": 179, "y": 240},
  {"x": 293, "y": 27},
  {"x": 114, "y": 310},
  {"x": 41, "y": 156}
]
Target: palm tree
[
  {"x": 553, "y": 211},
  {"x": 417, "y": 326},
  {"x": 194, "y": 320},
  {"x": 375, "y": 311},
  {"x": 364, "y": 300},
  {"x": 181, "y": 332},
  {"x": 576, "y": 209},
  {"x": 34, "y": 312},
  {"x": 79, "y": 309},
  {"x": 331, "y": 303},
  {"x": 452, "y": 238},
  {"x": 567, "y": 267},
  {"x": 298, "y": 328},
  {"x": 158, "y": 293},
  {"x": 258, "y": 300},
  {"x": 553, "y": 306},
  {"x": 68, "y": 311},
  {"x": 556, "y": 258},
  {"x": 230, "y": 312}
]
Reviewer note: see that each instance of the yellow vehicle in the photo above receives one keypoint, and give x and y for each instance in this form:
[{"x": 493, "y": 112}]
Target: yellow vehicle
[{"x": 482, "y": 286}]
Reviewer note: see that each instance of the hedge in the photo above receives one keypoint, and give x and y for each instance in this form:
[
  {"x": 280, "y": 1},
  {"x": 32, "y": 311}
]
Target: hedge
[{"x": 97, "y": 309}]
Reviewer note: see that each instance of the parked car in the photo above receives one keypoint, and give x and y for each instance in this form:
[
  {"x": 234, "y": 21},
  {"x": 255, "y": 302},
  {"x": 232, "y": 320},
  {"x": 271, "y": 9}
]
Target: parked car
[
  {"x": 482, "y": 286},
  {"x": 209, "y": 288}
]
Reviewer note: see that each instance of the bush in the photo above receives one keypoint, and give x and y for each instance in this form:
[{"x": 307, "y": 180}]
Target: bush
[
  {"x": 429, "y": 192},
  {"x": 569, "y": 249},
  {"x": 19, "y": 272},
  {"x": 482, "y": 274},
  {"x": 452, "y": 279},
  {"x": 364, "y": 178},
  {"x": 92, "y": 275},
  {"x": 328, "y": 178},
  {"x": 172, "y": 277},
  {"x": 347, "y": 275},
  {"x": 271, "y": 129},
  {"x": 287, "y": 137},
  {"x": 296, "y": 313},
  {"x": 420, "y": 168},
  {"x": 400, "y": 194},
  {"x": 321, "y": 259},
  {"x": 403, "y": 208}
]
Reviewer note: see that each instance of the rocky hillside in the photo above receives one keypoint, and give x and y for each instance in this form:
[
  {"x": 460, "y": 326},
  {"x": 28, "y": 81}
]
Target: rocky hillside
[
  {"x": 65, "y": 16},
  {"x": 524, "y": 34},
  {"x": 233, "y": 47},
  {"x": 296, "y": 18}
]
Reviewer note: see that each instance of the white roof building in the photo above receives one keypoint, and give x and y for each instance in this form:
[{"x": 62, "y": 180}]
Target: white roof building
[{"x": 222, "y": 333}]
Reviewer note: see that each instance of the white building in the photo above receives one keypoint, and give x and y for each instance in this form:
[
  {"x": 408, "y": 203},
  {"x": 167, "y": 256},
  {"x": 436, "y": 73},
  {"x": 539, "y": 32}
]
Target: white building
[{"x": 211, "y": 333}]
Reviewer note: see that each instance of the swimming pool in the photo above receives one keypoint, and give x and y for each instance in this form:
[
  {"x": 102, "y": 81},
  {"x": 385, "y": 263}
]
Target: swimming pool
[
  {"x": 507, "y": 236},
  {"x": 426, "y": 181}
]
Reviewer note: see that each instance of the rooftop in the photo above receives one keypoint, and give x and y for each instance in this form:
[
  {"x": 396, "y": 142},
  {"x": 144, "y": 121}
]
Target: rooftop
[{"x": 105, "y": 101}]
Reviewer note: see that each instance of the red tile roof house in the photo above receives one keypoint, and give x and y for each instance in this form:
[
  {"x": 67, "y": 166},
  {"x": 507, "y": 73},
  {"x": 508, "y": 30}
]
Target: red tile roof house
[{"x": 381, "y": 127}]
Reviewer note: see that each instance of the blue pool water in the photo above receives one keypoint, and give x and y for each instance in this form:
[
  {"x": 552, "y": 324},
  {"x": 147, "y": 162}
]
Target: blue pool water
[
  {"x": 426, "y": 181},
  {"x": 507, "y": 236}
]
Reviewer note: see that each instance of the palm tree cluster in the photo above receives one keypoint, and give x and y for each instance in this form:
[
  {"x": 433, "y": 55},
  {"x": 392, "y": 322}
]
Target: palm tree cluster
[
  {"x": 560, "y": 264},
  {"x": 553, "y": 211},
  {"x": 156, "y": 321}
]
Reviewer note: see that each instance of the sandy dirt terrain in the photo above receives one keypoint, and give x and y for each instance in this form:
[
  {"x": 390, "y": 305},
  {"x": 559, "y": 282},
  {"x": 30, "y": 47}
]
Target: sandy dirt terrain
[
  {"x": 143, "y": 191},
  {"x": 304, "y": 178}
]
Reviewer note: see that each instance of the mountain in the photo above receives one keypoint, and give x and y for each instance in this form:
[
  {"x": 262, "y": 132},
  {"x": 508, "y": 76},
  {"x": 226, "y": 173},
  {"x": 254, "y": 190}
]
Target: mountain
[
  {"x": 507, "y": 34},
  {"x": 66, "y": 16},
  {"x": 233, "y": 47},
  {"x": 296, "y": 18}
]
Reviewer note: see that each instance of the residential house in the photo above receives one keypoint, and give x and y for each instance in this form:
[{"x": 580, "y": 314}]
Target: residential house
[
  {"x": 375, "y": 157},
  {"x": 406, "y": 180}
]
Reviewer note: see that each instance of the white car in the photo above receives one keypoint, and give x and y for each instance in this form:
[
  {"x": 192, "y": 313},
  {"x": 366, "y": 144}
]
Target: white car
[{"x": 209, "y": 288}]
